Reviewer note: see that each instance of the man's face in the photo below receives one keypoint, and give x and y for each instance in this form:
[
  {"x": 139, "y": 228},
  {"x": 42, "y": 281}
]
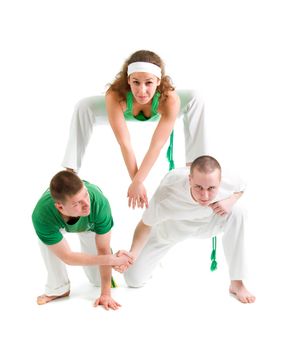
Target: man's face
[
  {"x": 204, "y": 187},
  {"x": 77, "y": 205}
]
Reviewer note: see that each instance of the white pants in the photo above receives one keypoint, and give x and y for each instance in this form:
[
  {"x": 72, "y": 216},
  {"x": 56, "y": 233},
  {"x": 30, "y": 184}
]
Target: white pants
[
  {"x": 156, "y": 247},
  {"x": 92, "y": 110},
  {"x": 57, "y": 279}
]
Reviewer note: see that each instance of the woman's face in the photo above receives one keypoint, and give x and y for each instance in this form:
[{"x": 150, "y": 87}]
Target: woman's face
[{"x": 143, "y": 86}]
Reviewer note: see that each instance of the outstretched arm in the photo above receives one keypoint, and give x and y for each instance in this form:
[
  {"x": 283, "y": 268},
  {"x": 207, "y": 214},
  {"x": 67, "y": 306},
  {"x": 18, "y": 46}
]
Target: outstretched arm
[
  {"x": 140, "y": 238},
  {"x": 159, "y": 138},
  {"x": 119, "y": 126},
  {"x": 63, "y": 251}
]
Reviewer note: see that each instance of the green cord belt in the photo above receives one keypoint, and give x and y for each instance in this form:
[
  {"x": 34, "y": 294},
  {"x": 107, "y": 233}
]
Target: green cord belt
[{"x": 169, "y": 155}]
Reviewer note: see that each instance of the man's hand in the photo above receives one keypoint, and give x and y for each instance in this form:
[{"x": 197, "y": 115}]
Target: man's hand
[
  {"x": 223, "y": 207},
  {"x": 122, "y": 257},
  {"x": 107, "y": 302},
  {"x": 123, "y": 267}
]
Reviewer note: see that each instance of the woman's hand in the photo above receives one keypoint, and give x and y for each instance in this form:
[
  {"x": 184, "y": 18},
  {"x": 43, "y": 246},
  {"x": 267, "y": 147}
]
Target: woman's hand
[{"x": 137, "y": 195}]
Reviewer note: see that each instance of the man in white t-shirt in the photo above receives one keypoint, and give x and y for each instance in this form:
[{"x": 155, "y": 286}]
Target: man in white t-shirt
[{"x": 191, "y": 202}]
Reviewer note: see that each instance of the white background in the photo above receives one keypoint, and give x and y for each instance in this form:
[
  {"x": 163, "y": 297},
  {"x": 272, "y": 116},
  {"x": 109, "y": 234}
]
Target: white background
[{"x": 240, "y": 56}]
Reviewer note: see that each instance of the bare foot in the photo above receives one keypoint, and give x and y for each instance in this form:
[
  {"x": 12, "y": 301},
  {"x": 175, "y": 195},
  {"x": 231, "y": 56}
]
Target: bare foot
[
  {"x": 239, "y": 291},
  {"x": 44, "y": 299},
  {"x": 71, "y": 170}
]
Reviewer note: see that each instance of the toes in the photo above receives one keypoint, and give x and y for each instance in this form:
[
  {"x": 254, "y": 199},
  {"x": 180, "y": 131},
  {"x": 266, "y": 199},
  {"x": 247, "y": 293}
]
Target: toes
[
  {"x": 248, "y": 299},
  {"x": 43, "y": 299},
  {"x": 243, "y": 300},
  {"x": 40, "y": 301},
  {"x": 251, "y": 299}
]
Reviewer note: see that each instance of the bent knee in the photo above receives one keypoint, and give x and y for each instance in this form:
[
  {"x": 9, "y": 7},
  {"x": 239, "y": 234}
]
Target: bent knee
[
  {"x": 133, "y": 281},
  {"x": 189, "y": 96},
  {"x": 87, "y": 104},
  {"x": 237, "y": 212}
]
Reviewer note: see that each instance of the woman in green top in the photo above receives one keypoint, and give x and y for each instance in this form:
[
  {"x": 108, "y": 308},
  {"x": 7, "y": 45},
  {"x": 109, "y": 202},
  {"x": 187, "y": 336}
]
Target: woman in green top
[{"x": 141, "y": 92}]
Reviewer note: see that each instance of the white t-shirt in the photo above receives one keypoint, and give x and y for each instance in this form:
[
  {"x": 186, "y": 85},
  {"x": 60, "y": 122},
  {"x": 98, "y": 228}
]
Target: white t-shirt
[{"x": 175, "y": 215}]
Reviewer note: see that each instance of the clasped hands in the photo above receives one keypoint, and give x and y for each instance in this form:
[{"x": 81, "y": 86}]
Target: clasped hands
[{"x": 125, "y": 266}]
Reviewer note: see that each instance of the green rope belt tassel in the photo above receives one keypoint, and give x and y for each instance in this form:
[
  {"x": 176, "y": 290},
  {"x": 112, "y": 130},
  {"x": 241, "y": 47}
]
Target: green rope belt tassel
[
  {"x": 213, "y": 255},
  {"x": 169, "y": 153},
  {"x": 113, "y": 283}
]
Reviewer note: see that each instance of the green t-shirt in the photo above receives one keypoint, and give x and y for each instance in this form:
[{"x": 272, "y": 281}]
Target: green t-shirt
[{"x": 48, "y": 221}]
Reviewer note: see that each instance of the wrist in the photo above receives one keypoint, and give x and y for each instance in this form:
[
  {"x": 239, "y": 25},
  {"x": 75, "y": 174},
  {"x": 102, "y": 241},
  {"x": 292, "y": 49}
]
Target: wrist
[
  {"x": 235, "y": 197},
  {"x": 134, "y": 254},
  {"x": 113, "y": 260},
  {"x": 136, "y": 180},
  {"x": 106, "y": 292},
  {"x": 106, "y": 260}
]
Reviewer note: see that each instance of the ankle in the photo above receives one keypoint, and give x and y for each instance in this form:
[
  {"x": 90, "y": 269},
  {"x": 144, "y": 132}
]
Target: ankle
[{"x": 236, "y": 283}]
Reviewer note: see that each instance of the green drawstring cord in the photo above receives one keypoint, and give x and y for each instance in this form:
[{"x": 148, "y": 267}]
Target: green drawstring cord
[
  {"x": 169, "y": 155},
  {"x": 213, "y": 255},
  {"x": 113, "y": 283}
]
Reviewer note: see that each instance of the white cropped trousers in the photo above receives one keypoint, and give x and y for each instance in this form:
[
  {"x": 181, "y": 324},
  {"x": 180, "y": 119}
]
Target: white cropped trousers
[
  {"x": 58, "y": 281},
  {"x": 232, "y": 227},
  {"x": 92, "y": 110}
]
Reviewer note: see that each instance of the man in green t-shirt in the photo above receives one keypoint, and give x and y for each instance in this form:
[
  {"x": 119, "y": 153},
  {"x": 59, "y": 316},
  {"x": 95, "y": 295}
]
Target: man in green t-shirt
[{"x": 73, "y": 205}]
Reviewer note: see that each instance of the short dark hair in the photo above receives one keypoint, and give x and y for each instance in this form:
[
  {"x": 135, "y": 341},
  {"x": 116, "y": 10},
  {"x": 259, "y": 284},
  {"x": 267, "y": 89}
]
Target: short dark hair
[
  {"x": 63, "y": 184},
  {"x": 205, "y": 164}
]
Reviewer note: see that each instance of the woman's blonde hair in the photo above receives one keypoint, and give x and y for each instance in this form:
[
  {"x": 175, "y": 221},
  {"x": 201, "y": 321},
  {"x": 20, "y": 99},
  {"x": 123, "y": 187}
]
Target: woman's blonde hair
[{"x": 121, "y": 86}]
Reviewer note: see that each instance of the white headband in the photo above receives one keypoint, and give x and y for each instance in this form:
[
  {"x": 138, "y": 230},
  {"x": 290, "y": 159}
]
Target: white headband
[{"x": 144, "y": 67}]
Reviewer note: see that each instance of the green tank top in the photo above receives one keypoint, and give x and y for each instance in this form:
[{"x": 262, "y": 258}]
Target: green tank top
[
  {"x": 155, "y": 116},
  {"x": 128, "y": 115}
]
